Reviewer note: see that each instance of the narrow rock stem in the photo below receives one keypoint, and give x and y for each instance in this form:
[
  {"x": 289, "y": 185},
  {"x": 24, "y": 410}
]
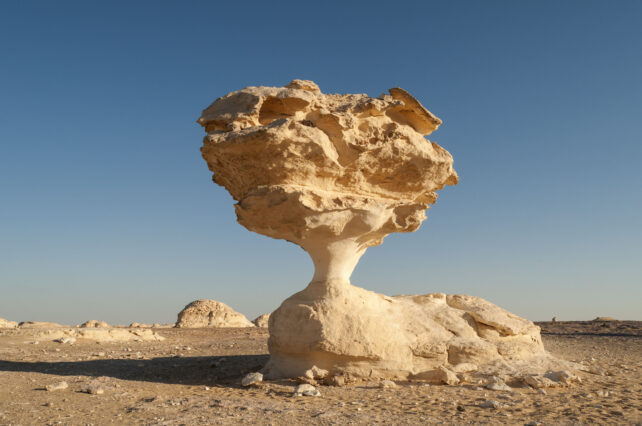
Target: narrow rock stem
[{"x": 334, "y": 261}]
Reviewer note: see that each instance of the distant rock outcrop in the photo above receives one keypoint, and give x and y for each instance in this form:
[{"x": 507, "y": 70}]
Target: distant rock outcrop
[
  {"x": 41, "y": 324},
  {"x": 261, "y": 321},
  {"x": 93, "y": 324},
  {"x": 7, "y": 324},
  {"x": 139, "y": 325},
  {"x": 210, "y": 313}
]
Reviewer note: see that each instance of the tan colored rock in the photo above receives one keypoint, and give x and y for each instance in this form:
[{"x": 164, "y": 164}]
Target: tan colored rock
[
  {"x": 56, "y": 386},
  {"x": 9, "y": 324},
  {"x": 316, "y": 373},
  {"x": 139, "y": 325},
  {"x": 538, "y": 381},
  {"x": 93, "y": 324},
  {"x": 261, "y": 320},
  {"x": 335, "y": 174},
  {"x": 564, "y": 377},
  {"x": 210, "y": 313}
]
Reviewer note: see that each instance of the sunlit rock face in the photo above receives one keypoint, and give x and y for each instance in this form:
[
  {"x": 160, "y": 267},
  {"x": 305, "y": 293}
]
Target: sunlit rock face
[{"x": 335, "y": 174}]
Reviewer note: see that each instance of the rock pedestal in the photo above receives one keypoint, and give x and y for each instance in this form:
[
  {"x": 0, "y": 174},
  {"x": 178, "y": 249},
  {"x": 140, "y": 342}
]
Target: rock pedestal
[{"x": 335, "y": 174}]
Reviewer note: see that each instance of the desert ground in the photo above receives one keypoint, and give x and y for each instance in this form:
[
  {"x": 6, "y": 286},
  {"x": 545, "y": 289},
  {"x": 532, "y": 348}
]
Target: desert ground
[{"x": 193, "y": 377}]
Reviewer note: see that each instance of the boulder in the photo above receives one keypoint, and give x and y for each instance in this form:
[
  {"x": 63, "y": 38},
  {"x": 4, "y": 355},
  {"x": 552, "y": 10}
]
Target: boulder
[{"x": 210, "y": 313}]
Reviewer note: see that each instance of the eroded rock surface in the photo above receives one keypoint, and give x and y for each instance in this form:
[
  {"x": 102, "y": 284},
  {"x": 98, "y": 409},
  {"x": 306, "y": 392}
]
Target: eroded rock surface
[
  {"x": 210, "y": 313},
  {"x": 349, "y": 330},
  {"x": 332, "y": 173},
  {"x": 335, "y": 174}
]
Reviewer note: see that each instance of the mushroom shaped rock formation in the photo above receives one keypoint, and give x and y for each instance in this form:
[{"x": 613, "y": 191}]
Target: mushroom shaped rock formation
[
  {"x": 335, "y": 174},
  {"x": 210, "y": 313}
]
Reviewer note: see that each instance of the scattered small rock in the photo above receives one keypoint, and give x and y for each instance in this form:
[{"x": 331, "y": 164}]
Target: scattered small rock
[
  {"x": 70, "y": 340},
  {"x": 387, "y": 384},
  {"x": 564, "y": 377},
  {"x": 306, "y": 390},
  {"x": 252, "y": 379},
  {"x": 461, "y": 408},
  {"x": 490, "y": 404},
  {"x": 538, "y": 381},
  {"x": 446, "y": 376},
  {"x": 94, "y": 389},
  {"x": 57, "y": 386},
  {"x": 315, "y": 373},
  {"x": 499, "y": 386},
  {"x": 336, "y": 381}
]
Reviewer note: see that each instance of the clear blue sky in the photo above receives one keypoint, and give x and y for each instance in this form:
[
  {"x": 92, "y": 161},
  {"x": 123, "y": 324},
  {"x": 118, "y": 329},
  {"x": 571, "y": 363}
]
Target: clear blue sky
[{"x": 107, "y": 210}]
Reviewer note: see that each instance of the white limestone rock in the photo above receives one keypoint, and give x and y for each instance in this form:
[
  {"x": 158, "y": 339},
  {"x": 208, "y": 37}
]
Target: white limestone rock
[
  {"x": 210, "y": 313},
  {"x": 252, "y": 379},
  {"x": 261, "y": 321}
]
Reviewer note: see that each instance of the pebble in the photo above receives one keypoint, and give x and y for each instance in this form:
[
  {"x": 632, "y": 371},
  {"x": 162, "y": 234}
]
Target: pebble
[
  {"x": 94, "y": 389},
  {"x": 57, "y": 386},
  {"x": 336, "y": 381},
  {"x": 306, "y": 389},
  {"x": 499, "y": 386},
  {"x": 490, "y": 404},
  {"x": 252, "y": 379},
  {"x": 387, "y": 384},
  {"x": 461, "y": 408}
]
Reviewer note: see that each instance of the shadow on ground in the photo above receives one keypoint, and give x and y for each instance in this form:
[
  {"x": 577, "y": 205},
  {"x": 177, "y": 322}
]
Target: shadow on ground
[{"x": 203, "y": 370}]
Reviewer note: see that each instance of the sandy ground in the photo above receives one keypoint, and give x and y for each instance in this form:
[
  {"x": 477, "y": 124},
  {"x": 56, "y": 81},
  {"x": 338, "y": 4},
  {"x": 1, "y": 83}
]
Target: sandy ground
[{"x": 193, "y": 377}]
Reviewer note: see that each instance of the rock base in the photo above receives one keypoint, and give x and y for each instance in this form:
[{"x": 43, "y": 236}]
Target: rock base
[{"x": 350, "y": 331}]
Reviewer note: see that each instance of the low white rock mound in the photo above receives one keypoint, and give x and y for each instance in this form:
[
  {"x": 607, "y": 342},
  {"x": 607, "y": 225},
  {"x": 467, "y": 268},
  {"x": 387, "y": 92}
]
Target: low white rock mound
[
  {"x": 210, "y": 313},
  {"x": 93, "y": 324},
  {"x": 261, "y": 321}
]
